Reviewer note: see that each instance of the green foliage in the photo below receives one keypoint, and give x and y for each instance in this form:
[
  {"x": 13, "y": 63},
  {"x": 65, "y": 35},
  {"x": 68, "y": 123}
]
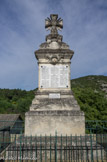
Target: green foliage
[
  {"x": 87, "y": 90},
  {"x": 91, "y": 97},
  {"x": 15, "y": 101}
]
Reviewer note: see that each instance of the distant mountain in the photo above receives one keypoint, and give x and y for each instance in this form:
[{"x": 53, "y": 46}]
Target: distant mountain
[{"x": 91, "y": 94}]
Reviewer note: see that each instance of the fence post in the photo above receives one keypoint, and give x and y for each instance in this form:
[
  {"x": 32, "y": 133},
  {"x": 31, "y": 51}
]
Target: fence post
[
  {"x": 45, "y": 148},
  {"x": 50, "y": 147},
  {"x": 71, "y": 148},
  {"x": 66, "y": 147},
  {"x": 96, "y": 148},
  {"x": 106, "y": 145},
  {"x": 86, "y": 148},
  {"x": 40, "y": 148},
  {"x": 76, "y": 147},
  {"x": 20, "y": 146},
  {"x": 91, "y": 148},
  {"x": 61, "y": 148},
  {"x": 81, "y": 148},
  {"x": 56, "y": 147},
  {"x": 31, "y": 150},
  {"x": 15, "y": 146},
  {"x": 36, "y": 152},
  {"x": 101, "y": 147}
]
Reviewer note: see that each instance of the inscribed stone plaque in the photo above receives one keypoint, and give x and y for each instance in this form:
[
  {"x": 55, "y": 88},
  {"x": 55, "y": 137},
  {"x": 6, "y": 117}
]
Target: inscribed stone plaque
[
  {"x": 54, "y": 95},
  {"x": 54, "y": 76}
]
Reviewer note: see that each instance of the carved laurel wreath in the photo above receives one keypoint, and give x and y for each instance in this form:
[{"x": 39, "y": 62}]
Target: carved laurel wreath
[{"x": 53, "y": 59}]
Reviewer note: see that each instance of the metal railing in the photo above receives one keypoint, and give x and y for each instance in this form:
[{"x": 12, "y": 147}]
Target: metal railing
[
  {"x": 96, "y": 127},
  {"x": 91, "y": 147},
  {"x": 57, "y": 148}
]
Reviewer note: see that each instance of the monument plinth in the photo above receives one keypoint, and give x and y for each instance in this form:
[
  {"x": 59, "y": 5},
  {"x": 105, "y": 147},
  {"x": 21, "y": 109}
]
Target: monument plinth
[{"x": 54, "y": 107}]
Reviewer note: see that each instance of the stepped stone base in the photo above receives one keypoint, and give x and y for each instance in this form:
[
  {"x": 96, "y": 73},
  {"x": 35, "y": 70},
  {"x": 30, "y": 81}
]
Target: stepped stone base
[
  {"x": 48, "y": 122},
  {"x": 48, "y": 115}
]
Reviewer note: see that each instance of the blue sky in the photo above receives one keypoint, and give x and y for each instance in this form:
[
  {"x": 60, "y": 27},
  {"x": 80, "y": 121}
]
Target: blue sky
[{"x": 22, "y": 30}]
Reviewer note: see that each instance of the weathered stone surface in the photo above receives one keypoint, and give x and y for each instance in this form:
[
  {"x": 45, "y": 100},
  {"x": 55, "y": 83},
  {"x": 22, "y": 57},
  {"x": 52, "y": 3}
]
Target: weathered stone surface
[
  {"x": 49, "y": 122},
  {"x": 54, "y": 104},
  {"x": 54, "y": 107},
  {"x": 60, "y": 53}
]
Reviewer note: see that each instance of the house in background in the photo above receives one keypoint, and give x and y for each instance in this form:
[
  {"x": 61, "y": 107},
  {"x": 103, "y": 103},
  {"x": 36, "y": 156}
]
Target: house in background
[
  {"x": 12, "y": 121},
  {"x": 11, "y": 126}
]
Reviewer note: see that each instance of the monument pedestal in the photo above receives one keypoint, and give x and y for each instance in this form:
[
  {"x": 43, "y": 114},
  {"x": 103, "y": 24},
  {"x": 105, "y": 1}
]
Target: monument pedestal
[
  {"x": 61, "y": 115},
  {"x": 63, "y": 122},
  {"x": 54, "y": 108}
]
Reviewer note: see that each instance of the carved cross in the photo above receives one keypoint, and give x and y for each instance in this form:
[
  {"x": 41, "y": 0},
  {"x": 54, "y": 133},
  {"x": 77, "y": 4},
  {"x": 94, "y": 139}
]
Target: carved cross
[{"x": 53, "y": 23}]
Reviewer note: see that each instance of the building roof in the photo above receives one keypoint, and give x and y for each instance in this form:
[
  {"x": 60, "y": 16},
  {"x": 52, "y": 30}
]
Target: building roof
[{"x": 8, "y": 120}]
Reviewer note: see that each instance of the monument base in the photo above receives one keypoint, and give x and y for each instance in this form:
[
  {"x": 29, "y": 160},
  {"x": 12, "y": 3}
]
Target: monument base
[{"x": 63, "y": 122}]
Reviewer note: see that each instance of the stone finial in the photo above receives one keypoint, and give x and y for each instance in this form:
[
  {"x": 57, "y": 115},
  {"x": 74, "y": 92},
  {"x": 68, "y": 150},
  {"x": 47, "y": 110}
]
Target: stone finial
[{"x": 53, "y": 24}]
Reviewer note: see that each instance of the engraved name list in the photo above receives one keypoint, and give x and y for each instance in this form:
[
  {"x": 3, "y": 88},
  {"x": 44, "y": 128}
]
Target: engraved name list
[{"x": 54, "y": 76}]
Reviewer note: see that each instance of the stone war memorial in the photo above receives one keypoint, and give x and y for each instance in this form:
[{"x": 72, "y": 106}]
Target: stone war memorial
[
  {"x": 54, "y": 124},
  {"x": 54, "y": 108}
]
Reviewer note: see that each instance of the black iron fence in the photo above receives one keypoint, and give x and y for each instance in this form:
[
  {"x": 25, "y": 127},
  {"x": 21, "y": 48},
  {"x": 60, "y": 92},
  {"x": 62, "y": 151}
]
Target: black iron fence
[
  {"x": 57, "y": 148},
  {"x": 96, "y": 127},
  {"x": 14, "y": 146}
]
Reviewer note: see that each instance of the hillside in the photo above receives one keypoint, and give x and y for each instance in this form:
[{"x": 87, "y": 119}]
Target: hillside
[
  {"x": 90, "y": 92},
  {"x": 15, "y": 101}
]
